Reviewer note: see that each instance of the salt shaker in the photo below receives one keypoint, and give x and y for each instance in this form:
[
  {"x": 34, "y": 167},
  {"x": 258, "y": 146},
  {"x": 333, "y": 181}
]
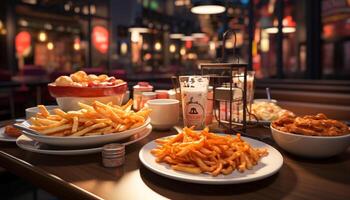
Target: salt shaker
[{"x": 113, "y": 155}]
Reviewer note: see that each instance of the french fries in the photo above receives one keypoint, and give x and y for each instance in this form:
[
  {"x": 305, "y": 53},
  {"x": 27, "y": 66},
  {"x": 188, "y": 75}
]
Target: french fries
[
  {"x": 95, "y": 119},
  {"x": 205, "y": 152}
]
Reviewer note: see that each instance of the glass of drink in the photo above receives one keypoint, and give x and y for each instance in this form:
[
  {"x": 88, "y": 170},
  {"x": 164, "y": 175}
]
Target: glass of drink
[
  {"x": 194, "y": 97},
  {"x": 238, "y": 79}
]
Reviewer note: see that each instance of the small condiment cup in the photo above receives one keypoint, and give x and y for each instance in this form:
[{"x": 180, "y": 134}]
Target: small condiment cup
[{"x": 113, "y": 155}]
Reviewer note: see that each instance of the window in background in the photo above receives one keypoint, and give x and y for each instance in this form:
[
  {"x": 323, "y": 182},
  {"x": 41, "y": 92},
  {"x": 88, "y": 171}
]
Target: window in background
[
  {"x": 60, "y": 35},
  {"x": 336, "y": 39}
]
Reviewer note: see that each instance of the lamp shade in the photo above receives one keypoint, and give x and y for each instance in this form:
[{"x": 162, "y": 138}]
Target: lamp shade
[{"x": 209, "y": 7}]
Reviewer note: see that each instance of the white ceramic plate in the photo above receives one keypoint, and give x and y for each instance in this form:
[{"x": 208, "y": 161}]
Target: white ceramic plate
[
  {"x": 28, "y": 144},
  {"x": 3, "y": 136},
  {"x": 81, "y": 140},
  {"x": 267, "y": 166}
]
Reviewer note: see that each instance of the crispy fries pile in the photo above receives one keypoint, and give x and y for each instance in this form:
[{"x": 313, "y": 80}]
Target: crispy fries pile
[
  {"x": 97, "y": 119},
  {"x": 205, "y": 152}
]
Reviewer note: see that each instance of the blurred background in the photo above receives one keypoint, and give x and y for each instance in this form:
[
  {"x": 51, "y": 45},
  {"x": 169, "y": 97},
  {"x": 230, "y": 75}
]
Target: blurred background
[{"x": 297, "y": 48}]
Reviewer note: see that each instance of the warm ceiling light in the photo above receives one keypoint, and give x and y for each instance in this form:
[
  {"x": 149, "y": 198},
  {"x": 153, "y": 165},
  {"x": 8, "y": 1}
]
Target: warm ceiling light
[
  {"x": 50, "y": 46},
  {"x": 76, "y": 45},
  {"x": 33, "y": 2},
  {"x": 176, "y": 35},
  {"x": 272, "y": 30},
  {"x": 172, "y": 48},
  {"x": 182, "y": 2},
  {"x": 288, "y": 29},
  {"x": 42, "y": 36},
  {"x": 198, "y": 35},
  {"x": 85, "y": 10},
  {"x": 187, "y": 38},
  {"x": 139, "y": 29},
  {"x": 157, "y": 46},
  {"x": 48, "y": 26},
  {"x": 124, "y": 48},
  {"x": 135, "y": 36},
  {"x": 209, "y": 7},
  {"x": 93, "y": 9},
  {"x": 77, "y": 10},
  {"x": 66, "y": 7},
  {"x": 288, "y": 26},
  {"x": 23, "y": 22},
  {"x": 182, "y": 51},
  {"x": 212, "y": 46}
]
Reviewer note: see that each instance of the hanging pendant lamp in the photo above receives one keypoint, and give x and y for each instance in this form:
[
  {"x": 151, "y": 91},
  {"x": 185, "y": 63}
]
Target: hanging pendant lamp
[{"x": 209, "y": 7}]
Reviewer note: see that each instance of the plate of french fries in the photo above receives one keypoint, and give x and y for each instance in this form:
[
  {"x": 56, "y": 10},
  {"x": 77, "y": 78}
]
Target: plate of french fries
[
  {"x": 208, "y": 158},
  {"x": 28, "y": 144},
  {"x": 94, "y": 124}
]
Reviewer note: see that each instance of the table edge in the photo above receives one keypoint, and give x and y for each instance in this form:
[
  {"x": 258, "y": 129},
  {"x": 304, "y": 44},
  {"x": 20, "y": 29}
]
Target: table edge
[{"x": 41, "y": 178}]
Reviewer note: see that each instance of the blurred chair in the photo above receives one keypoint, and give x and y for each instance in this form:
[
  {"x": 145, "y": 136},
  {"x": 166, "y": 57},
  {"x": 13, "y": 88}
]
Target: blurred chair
[
  {"x": 33, "y": 70},
  {"x": 118, "y": 73},
  {"x": 95, "y": 70},
  {"x": 6, "y": 96}
]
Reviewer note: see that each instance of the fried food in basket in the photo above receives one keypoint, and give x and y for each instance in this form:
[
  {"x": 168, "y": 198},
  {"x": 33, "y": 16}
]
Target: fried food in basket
[
  {"x": 312, "y": 125},
  {"x": 81, "y": 79},
  {"x": 204, "y": 152},
  {"x": 97, "y": 119},
  {"x": 268, "y": 111}
]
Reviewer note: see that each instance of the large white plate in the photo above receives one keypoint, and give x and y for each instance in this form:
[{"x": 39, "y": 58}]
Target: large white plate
[
  {"x": 267, "y": 166},
  {"x": 28, "y": 144},
  {"x": 81, "y": 140},
  {"x": 3, "y": 136}
]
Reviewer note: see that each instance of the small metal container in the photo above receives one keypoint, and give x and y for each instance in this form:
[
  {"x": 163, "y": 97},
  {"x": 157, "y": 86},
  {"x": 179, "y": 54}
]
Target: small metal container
[{"x": 113, "y": 155}]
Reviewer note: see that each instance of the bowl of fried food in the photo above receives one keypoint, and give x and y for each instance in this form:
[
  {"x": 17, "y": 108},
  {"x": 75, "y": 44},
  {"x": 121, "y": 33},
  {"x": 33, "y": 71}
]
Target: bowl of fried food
[
  {"x": 94, "y": 124},
  {"x": 314, "y": 136},
  {"x": 84, "y": 88}
]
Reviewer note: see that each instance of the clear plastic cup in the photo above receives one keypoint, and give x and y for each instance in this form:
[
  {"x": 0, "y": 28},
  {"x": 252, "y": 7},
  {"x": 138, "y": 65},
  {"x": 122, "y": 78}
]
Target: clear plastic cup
[{"x": 194, "y": 98}]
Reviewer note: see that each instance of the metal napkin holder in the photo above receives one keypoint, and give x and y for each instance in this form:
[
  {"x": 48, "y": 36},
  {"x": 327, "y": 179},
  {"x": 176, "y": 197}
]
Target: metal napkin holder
[{"x": 226, "y": 91}]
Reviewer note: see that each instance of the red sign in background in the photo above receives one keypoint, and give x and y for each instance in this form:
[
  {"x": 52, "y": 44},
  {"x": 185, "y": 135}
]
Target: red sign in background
[
  {"x": 100, "y": 38},
  {"x": 22, "y": 42}
]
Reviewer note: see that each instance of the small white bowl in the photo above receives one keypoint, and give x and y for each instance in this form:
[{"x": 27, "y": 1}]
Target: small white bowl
[
  {"x": 311, "y": 146},
  {"x": 71, "y": 103},
  {"x": 31, "y": 112},
  {"x": 165, "y": 113}
]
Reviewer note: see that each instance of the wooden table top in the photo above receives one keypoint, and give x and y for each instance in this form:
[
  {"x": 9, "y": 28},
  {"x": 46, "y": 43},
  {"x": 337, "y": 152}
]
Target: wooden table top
[{"x": 83, "y": 177}]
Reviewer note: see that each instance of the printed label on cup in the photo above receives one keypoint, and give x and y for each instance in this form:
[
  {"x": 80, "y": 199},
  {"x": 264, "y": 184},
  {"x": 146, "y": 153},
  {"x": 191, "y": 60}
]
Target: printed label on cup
[{"x": 194, "y": 104}]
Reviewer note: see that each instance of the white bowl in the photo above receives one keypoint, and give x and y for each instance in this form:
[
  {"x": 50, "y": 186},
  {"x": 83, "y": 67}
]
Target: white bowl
[
  {"x": 311, "y": 146},
  {"x": 32, "y": 111},
  {"x": 71, "y": 103},
  {"x": 165, "y": 113}
]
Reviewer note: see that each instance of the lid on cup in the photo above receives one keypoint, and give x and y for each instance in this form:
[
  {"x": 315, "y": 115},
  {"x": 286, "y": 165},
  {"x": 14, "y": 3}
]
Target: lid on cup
[{"x": 143, "y": 85}]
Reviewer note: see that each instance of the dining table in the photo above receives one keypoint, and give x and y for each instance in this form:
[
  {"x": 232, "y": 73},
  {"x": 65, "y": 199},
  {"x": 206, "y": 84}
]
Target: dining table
[{"x": 84, "y": 176}]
